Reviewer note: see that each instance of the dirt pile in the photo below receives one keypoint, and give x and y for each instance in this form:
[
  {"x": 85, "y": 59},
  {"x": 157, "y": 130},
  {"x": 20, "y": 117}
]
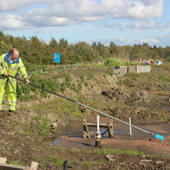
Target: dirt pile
[
  {"x": 139, "y": 104},
  {"x": 128, "y": 97}
]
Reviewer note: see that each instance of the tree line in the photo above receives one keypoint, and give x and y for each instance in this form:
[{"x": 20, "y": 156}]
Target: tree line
[{"x": 37, "y": 52}]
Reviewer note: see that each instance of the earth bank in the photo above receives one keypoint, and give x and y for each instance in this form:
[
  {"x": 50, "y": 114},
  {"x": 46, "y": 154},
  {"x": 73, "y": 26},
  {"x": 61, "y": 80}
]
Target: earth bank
[{"x": 27, "y": 136}]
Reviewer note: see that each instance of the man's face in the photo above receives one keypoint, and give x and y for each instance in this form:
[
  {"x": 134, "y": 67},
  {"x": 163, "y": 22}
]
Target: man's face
[{"x": 14, "y": 55}]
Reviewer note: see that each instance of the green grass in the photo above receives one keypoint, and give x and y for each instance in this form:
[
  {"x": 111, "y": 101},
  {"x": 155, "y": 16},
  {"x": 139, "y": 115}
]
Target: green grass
[
  {"x": 88, "y": 164},
  {"x": 43, "y": 128},
  {"x": 156, "y": 112},
  {"x": 58, "y": 162},
  {"x": 5, "y": 118},
  {"x": 36, "y": 117},
  {"x": 28, "y": 133},
  {"x": 77, "y": 114},
  {"x": 45, "y": 73},
  {"x": 18, "y": 163},
  {"x": 73, "y": 87},
  {"x": 59, "y": 106},
  {"x": 86, "y": 84},
  {"x": 79, "y": 86},
  {"x": 110, "y": 71},
  {"x": 82, "y": 77},
  {"x": 96, "y": 65},
  {"x": 105, "y": 151},
  {"x": 68, "y": 78},
  {"x": 82, "y": 65},
  {"x": 164, "y": 78},
  {"x": 90, "y": 76},
  {"x": 130, "y": 63},
  {"x": 135, "y": 76},
  {"x": 9, "y": 126}
]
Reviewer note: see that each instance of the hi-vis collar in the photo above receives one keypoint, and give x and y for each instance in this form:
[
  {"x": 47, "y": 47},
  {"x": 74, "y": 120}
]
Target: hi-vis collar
[{"x": 7, "y": 59}]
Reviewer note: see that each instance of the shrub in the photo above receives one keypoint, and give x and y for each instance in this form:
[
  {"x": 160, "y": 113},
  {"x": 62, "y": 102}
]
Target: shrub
[
  {"x": 68, "y": 78},
  {"x": 110, "y": 71},
  {"x": 68, "y": 85},
  {"x": 111, "y": 62},
  {"x": 86, "y": 84},
  {"x": 73, "y": 87},
  {"x": 90, "y": 76},
  {"x": 63, "y": 87},
  {"x": 82, "y": 77},
  {"x": 130, "y": 63},
  {"x": 168, "y": 59},
  {"x": 79, "y": 86}
]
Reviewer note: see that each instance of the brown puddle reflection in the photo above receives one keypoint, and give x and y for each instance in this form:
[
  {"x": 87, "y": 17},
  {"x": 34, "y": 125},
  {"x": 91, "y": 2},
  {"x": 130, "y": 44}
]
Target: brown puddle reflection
[{"x": 122, "y": 140}]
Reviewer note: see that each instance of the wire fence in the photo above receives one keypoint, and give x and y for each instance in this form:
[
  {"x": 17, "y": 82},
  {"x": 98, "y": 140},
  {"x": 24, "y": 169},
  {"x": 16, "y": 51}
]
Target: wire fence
[
  {"x": 66, "y": 66},
  {"x": 79, "y": 64}
]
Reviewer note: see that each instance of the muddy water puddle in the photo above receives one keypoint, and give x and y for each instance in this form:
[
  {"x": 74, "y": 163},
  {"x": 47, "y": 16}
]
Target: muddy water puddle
[{"x": 121, "y": 136}]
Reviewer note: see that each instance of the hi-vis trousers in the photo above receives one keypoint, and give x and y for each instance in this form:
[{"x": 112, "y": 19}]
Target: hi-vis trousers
[{"x": 10, "y": 86}]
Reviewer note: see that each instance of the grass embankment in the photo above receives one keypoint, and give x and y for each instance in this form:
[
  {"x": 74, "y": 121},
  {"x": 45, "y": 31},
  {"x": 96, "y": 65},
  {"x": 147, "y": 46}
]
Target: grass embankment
[{"x": 61, "y": 107}]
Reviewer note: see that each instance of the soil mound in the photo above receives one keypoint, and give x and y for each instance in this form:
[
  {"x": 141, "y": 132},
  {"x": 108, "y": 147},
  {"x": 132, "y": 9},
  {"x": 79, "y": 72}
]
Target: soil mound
[{"x": 120, "y": 95}]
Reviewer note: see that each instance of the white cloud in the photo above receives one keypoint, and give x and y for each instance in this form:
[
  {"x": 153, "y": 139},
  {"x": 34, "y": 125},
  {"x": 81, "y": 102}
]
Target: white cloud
[
  {"x": 165, "y": 24},
  {"x": 14, "y": 6},
  {"x": 62, "y": 13},
  {"x": 40, "y": 21},
  {"x": 13, "y": 22},
  {"x": 149, "y": 40},
  {"x": 69, "y": 12},
  {"x": 129, "y": 41},
  {"x": 107, "y": 9},
  {"x": 121, "y": 39},
  {"x": 38, "y": 31},
  {"x": 114, "y": 26},
  {"x": 150, "y": 2},
  {"x": 142, "y": 25},
  {"x": 161, "y": 36},
  {"x": 142, "y": 12}
]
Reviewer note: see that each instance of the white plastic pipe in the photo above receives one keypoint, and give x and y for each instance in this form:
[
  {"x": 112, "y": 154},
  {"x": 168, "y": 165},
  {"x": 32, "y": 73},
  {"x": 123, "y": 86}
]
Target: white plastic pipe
[
  {"x": 130, "y": 127},
  {"x": 98, "y": 124}
]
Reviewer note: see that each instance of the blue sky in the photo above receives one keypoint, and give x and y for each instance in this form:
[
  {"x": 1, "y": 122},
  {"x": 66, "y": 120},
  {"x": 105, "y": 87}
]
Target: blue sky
[{"x": 125, "y": 22}]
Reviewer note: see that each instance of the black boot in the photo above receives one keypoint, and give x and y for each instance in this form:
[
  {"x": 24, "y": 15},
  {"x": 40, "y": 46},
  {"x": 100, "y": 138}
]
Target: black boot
[{"x": 12, "y": 111}]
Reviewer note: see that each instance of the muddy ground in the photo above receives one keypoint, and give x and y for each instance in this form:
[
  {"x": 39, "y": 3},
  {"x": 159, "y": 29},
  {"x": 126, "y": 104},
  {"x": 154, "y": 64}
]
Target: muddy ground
[{"x": 22, "y": 141}]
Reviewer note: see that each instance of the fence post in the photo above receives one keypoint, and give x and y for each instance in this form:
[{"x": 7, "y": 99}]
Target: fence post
[
  {"x": 98, "y": 134},
  {"x": 65, "y": 165},
  {"x": 130, "y": 127}
]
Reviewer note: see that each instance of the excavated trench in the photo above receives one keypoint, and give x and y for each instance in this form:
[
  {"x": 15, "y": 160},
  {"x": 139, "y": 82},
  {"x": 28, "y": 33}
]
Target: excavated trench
[
  {"x": 122, "y": 139},
  {"x": 133, "y": 103}
]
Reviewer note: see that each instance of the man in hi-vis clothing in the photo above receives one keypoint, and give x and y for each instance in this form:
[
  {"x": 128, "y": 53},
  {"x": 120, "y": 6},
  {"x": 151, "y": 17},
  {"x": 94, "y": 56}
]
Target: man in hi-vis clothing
[{"x": 10, "y": 64}]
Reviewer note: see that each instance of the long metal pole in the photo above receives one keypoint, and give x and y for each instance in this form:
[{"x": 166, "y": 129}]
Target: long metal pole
[{"x": 150, "y": 133}]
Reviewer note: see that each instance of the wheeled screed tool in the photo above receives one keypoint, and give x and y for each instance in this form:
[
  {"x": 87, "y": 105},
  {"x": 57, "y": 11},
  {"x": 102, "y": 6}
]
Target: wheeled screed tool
[{"x": 150, "y": 133}]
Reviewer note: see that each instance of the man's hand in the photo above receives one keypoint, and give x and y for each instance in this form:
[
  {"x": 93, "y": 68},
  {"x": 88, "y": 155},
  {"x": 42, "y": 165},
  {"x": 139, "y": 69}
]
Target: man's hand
[
  {"x": 27, "y": 81},
  {"x": 6, "y": 74}
]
